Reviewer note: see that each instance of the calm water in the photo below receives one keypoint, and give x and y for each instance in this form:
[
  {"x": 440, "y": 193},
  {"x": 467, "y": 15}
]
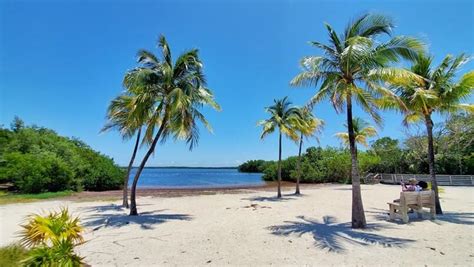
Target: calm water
[{"x": 195, "y": 178}]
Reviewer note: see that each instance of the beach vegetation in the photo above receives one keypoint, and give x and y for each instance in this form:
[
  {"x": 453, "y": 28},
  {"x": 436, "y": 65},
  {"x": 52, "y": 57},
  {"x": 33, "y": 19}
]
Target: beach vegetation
[
  {"x": 310, "y": 127},
  {"x": 36, "y": 160},
  {"x": 171, "y": 94},
  {"x": 51, "y": 239},
  {"x": 286, "y": 120},
  {"x": 352, "y": 70},
  {"x": 439, "y": 91},
  {"x": 7, "y": 197},
  {"x": 362, "y": 131},
  {"x": 384, "y": 155},
  {"x": 12, "y": 255}
]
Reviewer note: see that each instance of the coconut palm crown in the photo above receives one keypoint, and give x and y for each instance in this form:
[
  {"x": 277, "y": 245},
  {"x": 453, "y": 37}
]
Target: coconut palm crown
[
  {"x": 172, "y": 92},
  {"x": 353, "y": 67},
  {"x": 309, "y": 127},
  {"x": 438, "y": 91},
  {"x": 362, "y": 130}
]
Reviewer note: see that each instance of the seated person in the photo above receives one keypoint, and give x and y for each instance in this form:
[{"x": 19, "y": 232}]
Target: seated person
[
  {"x": 411, "y": 186},
  {"x": 423, "y": 185}
]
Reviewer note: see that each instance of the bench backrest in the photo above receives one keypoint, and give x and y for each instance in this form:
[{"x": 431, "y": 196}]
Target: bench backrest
[{"x": 423, "y": 198}]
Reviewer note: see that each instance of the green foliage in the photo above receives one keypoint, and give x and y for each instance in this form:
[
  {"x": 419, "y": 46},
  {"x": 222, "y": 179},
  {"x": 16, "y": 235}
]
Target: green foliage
[
  {"x": 38, "y": 173},
  {"x": 454, "y": 143},
  {"x": 390, "y": 154},
  {"x": 52, "y": 239},
  {"x": 254, "y": 166},
  {"x": 38, "y": 160},
  {"x": 7, "y": 197},
  {"x": 320, "y": 165},
  {"x": 12, "y": 255},
  {"x": 284, "y": 117}
]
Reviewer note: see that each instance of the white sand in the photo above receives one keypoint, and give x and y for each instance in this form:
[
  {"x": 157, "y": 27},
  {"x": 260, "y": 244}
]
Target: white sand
[{"x": 223, "y": 230}]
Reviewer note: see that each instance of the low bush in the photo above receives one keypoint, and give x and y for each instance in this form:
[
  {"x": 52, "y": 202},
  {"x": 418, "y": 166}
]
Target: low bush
[{"x": 38, "y": 160}]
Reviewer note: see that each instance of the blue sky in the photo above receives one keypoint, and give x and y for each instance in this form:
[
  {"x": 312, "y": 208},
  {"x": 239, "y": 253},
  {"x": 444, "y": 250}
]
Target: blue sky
[{"x": 62, "y": 62}]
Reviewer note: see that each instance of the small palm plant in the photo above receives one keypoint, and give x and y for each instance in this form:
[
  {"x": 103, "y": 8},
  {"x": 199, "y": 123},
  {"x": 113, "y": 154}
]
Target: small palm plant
[
  {"x": 362, "y": 130},
  {"x": 309, "y": 127},
  {"x": 287, "y": 119},
  {"x": 52, "y": 239}
]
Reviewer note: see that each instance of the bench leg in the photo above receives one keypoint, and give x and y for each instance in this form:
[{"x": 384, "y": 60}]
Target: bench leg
[
  {"x": 404, "y": 213},
  {"x": 433, "y": 213},
  {"x": 392, "y": 212}
]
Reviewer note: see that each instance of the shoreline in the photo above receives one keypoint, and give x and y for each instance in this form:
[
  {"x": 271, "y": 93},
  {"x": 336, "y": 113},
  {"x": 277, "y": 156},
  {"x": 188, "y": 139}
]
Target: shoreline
[{"x": 182, "y": 192}]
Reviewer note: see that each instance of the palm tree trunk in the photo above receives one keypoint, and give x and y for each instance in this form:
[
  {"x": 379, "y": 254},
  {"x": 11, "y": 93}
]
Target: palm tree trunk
[
  {"x": 126, "y": 178},
  {"x": 279, "y": 167},
  {"x": 358, "y": 216},
  {"x": 133, "y": 203},
  {"x": 298, "y": 167},
  {"x": 431, "y": 162}
]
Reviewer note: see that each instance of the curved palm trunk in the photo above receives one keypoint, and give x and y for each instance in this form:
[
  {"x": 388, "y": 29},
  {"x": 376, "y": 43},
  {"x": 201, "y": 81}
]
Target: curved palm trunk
[
  {"x": 126, "y": 178},
  {"x": 431, "y": 162},
  {"x": 133, "y": 203},
  {"x": 358, "y": 216},
  {"x": 298, "y": 167},
  {"x": 279, "y": 167}
]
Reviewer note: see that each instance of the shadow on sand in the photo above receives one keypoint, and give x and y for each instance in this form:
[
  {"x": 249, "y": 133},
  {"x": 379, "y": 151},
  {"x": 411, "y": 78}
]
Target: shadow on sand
[
  {"x": 285, "y": 197},
  {"x": 117, "y": 216},
  {"x": 466, "y": 218},
  {"x": 331, "y": 235}
]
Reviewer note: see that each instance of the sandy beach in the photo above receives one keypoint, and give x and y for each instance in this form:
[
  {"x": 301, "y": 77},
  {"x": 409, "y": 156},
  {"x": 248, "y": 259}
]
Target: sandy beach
[{"x": 251, "y": 227}]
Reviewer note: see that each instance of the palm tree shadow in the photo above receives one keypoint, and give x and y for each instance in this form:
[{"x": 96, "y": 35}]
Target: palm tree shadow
[
  {"x": 113, "y": 216},
  {"x": 331, "y": 235},
  {"x": 270, "y": 199},
  {"x": 466, "y": 218}
]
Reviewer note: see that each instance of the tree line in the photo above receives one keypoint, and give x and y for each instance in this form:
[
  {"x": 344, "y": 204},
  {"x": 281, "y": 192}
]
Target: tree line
[
  {"x": 454, "y": 149},
  {"x": 36, "y": 159}
]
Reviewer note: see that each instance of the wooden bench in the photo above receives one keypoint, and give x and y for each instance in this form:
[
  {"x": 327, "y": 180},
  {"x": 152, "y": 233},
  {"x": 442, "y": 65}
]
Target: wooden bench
[{"x": 413, "y": 200}]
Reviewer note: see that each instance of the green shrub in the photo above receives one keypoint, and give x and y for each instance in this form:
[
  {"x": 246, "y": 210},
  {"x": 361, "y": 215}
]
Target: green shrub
[
  {"x": 38, "y": 173},
  {"x": 38, "y": 160},
  {"x": 12, "y": 255},
  {"x": 318, "y": 165}
]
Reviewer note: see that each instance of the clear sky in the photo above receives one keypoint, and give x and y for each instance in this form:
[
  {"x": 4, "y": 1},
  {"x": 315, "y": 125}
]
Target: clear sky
[{"x": 61, "y": 62}]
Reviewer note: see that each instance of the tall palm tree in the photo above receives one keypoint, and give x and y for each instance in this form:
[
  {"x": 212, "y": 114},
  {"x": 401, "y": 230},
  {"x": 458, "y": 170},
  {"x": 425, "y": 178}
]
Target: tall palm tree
[
  {"x": 173, "y": 93},
  {"x": 362, "y": 130},
  {"x": 122, "y": 115},
  {"x": 287, "y": 119},
  {"x": 351, "y": 68},
  {"x": 309, "y": 127},
  {"x": 438, "y": 91}
]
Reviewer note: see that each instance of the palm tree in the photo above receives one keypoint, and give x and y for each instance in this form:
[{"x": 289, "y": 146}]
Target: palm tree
[
  {"x": 172, "y": 93},
  {"x": 310, "y": 126},
  {"x": 362, "y": 130},
  {"x": 439, "y": 91},
  {"x": 122, "y": 115},
  {"x": 287, "y": 119},
  {"x": 351, "y": 68}
]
